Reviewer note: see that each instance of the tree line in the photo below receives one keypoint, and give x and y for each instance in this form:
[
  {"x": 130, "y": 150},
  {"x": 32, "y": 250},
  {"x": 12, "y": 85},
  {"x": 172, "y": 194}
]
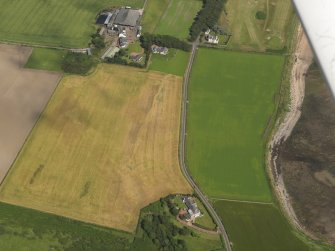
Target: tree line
[
  {"x": 147, "y": 40},
  {"x": 206, "y": 18}
]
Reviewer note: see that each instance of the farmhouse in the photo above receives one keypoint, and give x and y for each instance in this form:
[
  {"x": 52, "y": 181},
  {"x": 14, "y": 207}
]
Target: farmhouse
[
  {"x": 159, "y": 50},
  {"x": 192, "y": 207},
  {"x": 212, "y": 39}
]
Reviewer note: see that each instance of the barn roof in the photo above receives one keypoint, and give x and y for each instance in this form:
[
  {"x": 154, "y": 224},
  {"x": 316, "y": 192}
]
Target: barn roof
[{"x": 127, "y": 17}]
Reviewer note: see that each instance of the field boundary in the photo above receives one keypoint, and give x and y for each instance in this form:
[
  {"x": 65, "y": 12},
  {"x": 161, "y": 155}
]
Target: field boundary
[{"x": 244, "y": 201}]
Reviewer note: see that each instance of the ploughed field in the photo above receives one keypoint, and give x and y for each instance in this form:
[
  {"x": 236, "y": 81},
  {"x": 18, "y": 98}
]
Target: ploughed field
[
  {"x": 231, "y": 98},
  {"x": 67, "y": 23},
  {"x": 23, "y": 95},
  {"x": 105, "y": 147}
]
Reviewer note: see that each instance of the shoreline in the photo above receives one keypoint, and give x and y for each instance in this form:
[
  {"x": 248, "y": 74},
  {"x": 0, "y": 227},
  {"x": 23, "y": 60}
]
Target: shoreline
[{"x": 303, "y": 58}]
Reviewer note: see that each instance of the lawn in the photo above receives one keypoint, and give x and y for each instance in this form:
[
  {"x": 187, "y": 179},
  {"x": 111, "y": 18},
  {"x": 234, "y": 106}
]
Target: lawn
[
  {"x": 231, "y": 98},
  {"x": 54, "y": 23},
  {"x": 258, "y": 227},
  {"x": 178, "y": 18},
  {"x": 46, "y": 59},
  {"x": 174, "y": 63},
  {"x": 105, "y": 147},
  {"x": 205, "y": 220},
  {"x": 249, "y": 33}
]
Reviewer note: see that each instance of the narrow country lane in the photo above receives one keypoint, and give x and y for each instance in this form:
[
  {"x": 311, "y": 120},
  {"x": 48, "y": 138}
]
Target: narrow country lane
[{"x": 183, "y": 165}]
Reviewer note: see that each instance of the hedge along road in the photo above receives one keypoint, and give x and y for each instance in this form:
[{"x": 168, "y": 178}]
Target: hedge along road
[{"x": 183, "y": 165}]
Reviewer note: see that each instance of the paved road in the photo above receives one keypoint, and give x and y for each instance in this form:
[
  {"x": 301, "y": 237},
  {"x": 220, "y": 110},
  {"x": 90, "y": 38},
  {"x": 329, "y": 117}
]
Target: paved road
[{"x": 183, "y": 165}]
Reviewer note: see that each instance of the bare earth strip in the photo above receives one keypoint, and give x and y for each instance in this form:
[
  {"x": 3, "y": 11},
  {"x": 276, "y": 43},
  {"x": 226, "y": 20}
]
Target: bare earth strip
[
  {"x": 23, "y": 95},
  {"x": 303, "y": 58},
  {"x": 105, "y": 147}
]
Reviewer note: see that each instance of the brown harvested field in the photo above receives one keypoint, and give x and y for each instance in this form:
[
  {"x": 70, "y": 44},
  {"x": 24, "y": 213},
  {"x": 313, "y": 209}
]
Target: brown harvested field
[
  {"x": 23, "y": 95},
  {"x": 106, "y": 146}
]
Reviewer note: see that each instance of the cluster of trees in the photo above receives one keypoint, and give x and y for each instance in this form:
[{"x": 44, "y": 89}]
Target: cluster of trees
[
  {"x": 172, "y": 206},
  {"x": 77, "y": 63},
  {"x": 98, "y": 41},
  {"x": 147, "y": 40},
  {"x": 120, "y": 58},
  {"x": 260, "y": 15},
  {"x": 163, "y": 233},
  {"x": 206, "y": 18}
]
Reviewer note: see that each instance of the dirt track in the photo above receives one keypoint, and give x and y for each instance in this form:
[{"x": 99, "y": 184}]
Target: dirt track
[
  {"x": 23, "y": 95},
  {"x": 303, "y": 58}
]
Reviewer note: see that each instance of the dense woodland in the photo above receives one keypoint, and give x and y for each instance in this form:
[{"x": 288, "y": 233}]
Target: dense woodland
[{"x": 206, "y": 18}]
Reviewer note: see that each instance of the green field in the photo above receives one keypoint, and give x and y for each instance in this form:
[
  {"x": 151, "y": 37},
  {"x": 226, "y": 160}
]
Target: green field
[
  {"x": 54, "y": 23},
  {"x": 178, "y": 18},
  {"x": 231, "y": 98},
  {"x": 23, "y": 229},
  {"x": 170, "y": 17},
  {"x": 205, "y": 220},
  {"x": 153, "y": 13},
  {"x": 174, "y": 63},
  {"x": 250, "y": 33},
  {"x": 46, "y": 59},
  {"x": 258, "y": 227}
]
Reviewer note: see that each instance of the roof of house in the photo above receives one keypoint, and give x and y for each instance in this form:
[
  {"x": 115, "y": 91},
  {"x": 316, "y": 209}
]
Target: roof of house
[
  {"x": 191, "y": 204},
  {"x": 136, "y": 57},
  {"x": 159, "y": 49},
  {"x": 127, "y": 17}
]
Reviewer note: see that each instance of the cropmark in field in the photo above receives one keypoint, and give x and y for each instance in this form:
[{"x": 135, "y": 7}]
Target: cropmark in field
[
  {"x": 257, "y": 25},
  {"x": 105, "y": 147}
]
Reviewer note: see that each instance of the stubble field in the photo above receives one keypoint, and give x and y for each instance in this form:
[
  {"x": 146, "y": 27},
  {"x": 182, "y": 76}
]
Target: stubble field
[{"x": 105, "y": 147}]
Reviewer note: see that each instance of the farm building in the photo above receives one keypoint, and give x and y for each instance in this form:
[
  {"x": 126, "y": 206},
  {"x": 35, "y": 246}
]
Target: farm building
[
  {"x": 127, "y": 17},
  {"x": 105, "y": 18},
  {"x": 159, "y": 50}
]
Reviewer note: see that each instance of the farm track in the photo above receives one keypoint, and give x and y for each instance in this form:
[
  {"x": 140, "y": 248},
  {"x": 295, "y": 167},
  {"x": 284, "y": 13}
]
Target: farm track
[{"x": 183, "y": 166}]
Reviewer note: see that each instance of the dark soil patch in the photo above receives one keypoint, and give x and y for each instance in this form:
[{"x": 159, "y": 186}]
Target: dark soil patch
[{"x": 311, "y": 150}]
